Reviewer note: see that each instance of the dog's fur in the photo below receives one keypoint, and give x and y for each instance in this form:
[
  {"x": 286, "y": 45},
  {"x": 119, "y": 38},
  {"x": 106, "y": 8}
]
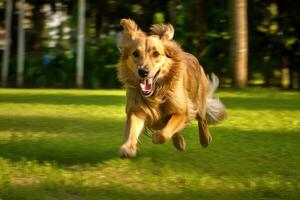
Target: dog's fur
[{"x": 179, "y": 90}]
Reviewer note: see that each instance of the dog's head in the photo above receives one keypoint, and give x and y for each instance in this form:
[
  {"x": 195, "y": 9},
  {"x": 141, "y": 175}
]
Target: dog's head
[{"x": 146, "y": 56}]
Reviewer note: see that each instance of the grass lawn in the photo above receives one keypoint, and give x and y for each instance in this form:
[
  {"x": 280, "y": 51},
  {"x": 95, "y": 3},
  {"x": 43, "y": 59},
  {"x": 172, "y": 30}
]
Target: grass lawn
[{"x": 63, "y": 144}]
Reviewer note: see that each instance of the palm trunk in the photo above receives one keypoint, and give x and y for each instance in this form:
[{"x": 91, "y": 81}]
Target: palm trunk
[{"x": 239, "y": 42}]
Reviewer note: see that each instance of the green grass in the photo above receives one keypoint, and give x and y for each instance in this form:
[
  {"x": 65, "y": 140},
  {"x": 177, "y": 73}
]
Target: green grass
[{"x": 63, "y": 144}]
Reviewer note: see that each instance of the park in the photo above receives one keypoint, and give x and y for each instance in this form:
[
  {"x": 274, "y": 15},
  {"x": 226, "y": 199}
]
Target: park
[{"x": 62, "y": 118}]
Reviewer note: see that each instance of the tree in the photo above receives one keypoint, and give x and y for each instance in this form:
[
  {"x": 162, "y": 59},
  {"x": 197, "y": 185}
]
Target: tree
[
  {"x": 199, "y": 22},
  {"x": 21, "y": 45},
  {"x": 38, "y": 22},
  {"x": 80, "y": 45},
  {"x": 239, "y": 42},
  {"x": 6, "y": 54}
]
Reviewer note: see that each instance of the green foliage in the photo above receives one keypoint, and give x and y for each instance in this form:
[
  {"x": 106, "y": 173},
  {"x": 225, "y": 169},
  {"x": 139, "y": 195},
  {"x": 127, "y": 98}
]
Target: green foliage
[
  {"x": 56, "y": 69},
  {"x": 64, "y": 144},
  {"x": 214, "y": 52},
  {"x": 216, "y": 48},
  {"x": 158, "y": 18},
  {"x": 59, "y": 72},
  {"x": 201, "y": 27},
  {"x": 273, "y": 38},
  {"x": 101, "y": 64}
]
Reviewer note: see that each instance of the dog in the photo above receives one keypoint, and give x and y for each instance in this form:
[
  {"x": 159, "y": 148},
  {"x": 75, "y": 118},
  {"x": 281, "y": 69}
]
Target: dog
[{"x": 166, "y": 88}]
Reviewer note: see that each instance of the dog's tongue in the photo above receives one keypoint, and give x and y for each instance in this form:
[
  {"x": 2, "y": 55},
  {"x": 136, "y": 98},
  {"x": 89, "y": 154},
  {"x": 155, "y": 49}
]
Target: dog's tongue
[{"x": 146, "y": 85}]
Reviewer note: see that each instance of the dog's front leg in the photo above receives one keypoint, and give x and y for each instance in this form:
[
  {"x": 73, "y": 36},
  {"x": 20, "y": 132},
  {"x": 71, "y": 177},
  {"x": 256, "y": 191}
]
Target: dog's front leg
[
  {"x": 134, "y": 127},
  {"x": 175, "y": 124}
]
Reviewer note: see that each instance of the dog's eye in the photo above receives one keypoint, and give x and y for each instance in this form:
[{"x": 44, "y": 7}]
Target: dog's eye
[
  {"x": 135, "y": 54},
  {"x": 155, "y": 54}
]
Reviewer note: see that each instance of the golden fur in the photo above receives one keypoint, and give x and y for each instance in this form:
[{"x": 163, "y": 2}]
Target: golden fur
[{"x": 180, "y": 88}]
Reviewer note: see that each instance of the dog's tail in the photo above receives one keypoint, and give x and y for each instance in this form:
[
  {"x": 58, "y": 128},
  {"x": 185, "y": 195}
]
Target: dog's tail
[{"x": 215, "y": 109}]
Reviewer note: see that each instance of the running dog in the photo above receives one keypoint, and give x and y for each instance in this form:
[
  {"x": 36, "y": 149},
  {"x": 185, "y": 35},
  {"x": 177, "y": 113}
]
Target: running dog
[{"x": 166, "y": 88}]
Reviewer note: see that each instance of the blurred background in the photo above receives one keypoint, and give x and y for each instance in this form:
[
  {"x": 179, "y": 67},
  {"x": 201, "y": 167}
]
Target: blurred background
[
  {"x": 69, "y": 44},
  {"x": 63, "y": 144}
]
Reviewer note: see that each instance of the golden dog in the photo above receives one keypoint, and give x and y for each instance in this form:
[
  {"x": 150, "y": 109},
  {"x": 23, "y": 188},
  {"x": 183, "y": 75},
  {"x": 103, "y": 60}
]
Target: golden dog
[{"x": 165, "y": 88}]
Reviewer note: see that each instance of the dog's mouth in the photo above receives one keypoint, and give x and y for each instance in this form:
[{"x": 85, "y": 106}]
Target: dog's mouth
[{"x": 147, "y": 85}]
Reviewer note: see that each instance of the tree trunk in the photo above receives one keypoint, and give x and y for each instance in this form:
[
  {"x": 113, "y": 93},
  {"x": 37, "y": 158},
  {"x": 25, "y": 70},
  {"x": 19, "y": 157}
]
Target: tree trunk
[
  {"x": 38, "y": 24},
  {"x": 101, "y": 12},
  {"x": 21, "y": 45},
  {"x": 6, "y": 54},
  {"x": 239, "y": 42},
  {"x": 172, "y": 11},
  {"x": 80, "y": 45},
  {"x": 199, "y": 22}
]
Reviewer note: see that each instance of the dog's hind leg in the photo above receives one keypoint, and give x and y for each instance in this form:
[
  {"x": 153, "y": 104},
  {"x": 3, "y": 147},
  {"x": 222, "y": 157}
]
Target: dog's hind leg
[
  {"x": 178, "y": 141},
  {"x": 204, "y": 134}
]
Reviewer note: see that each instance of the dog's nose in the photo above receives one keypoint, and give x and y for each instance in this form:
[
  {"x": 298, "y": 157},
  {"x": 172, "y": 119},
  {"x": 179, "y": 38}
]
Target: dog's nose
[{"x": 143, "y": 72}]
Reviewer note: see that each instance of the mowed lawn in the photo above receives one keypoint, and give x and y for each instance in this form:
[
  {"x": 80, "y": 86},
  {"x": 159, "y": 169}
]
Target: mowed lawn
[{"x": 63, "y": 144}]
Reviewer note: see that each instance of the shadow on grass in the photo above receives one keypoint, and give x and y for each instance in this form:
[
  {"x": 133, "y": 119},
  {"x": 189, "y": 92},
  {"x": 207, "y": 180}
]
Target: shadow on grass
[
  {"x": 286, "y": 103},
  {"x": 63, "y": 99},
  {"x": 48, "y": 191},
  {"x": 64, "y": 141},
  {"x": 70, "y": 152},
  {"x": 68, "y": 141},
  {"x": 261, "y": 103},
  {"x": 232, "y": 152},
  {"x": 58, "y": 125}
]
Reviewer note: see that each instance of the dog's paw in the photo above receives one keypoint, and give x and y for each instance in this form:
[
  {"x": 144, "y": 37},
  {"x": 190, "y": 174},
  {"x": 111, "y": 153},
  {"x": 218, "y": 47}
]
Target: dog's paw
[
  {"x": 205, "y": 140},
  {"x": 127, "y": 151},
  {"x": 158, "y": 138},
  {"x": 179, "y": 142},
  {"x": 204, "y": 134}
]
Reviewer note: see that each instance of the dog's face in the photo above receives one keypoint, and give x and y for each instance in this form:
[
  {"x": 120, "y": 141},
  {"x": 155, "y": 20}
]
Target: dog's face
[
  {"x": 146, "y": 58},
  {"x": 145, "y": 55}
]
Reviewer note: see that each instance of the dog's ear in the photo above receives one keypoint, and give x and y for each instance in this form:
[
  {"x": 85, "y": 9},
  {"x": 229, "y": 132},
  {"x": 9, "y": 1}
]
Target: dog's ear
[
  {"x": 172, "y": 49},
  {"x": 130, "y": 27},
  {"x": 131, "y": 31},
  {"x": 164, "y": 31}
]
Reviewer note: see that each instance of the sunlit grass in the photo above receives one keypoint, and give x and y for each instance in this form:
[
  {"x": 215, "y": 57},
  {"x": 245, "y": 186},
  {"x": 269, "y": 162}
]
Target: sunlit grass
[{"x": 63, "y": 144}]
